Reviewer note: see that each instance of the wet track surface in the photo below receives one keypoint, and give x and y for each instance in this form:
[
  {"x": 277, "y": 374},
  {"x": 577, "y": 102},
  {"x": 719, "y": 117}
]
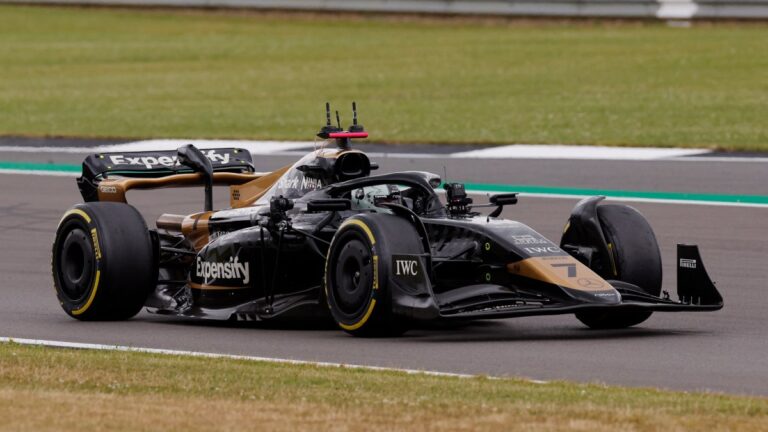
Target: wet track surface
[{"x": 722, "y": 351}]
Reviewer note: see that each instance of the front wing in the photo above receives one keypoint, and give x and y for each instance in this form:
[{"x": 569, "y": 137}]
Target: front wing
[{"x": 695, "y": 290}]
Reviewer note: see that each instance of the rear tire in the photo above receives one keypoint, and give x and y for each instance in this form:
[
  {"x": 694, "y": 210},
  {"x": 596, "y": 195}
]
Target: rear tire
[
  {"x": 636, "y": 259},
  {"x": 357, "y": 269},
  {"x": 103, "y": 261}
]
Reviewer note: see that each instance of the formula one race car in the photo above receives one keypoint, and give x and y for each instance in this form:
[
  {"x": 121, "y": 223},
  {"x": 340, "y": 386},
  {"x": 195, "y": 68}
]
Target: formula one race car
[{"x": 376, "y": 252}]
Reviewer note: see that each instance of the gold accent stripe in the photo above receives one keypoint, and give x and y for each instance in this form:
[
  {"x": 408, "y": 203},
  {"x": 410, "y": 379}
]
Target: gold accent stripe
[
  {"x": 362, "y": 321},
  {"x": 564, "y": 271},
  {"x": 79, "y": 212},
  {"x": 91, "y": 297},
  {"x": 195, "y": 229},
  {"x": 215, "y": 287}
]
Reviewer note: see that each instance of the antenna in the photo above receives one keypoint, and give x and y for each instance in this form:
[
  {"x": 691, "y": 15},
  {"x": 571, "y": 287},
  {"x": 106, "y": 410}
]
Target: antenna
[
  {"x": 445, "y": 174},
  {"x": 356, "y": 127},
  {"x": 338, "y": 121},
  {"x": 328, "y": 128}
]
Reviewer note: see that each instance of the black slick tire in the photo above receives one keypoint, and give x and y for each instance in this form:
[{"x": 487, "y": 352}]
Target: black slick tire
[
  {"x": 357, "y": 269},
  {"x": 636, "y": 259},
  {"x": 103, "y": 261}
]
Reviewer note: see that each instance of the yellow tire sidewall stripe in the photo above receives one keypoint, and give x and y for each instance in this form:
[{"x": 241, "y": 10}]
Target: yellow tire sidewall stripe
[
  {"x": 87, "y": 304},
  {"x": 372, "y": 305},
  {"x": 78, "y": 212},
  {"x": 363, "y": 320},
  {"x": 362, "y": 226},
  {"x": 94, "y": 236}
]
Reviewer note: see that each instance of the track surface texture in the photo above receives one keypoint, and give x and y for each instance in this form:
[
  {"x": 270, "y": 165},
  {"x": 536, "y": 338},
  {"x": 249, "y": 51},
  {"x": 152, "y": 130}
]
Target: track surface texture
[{"x": 722, "y": 351}]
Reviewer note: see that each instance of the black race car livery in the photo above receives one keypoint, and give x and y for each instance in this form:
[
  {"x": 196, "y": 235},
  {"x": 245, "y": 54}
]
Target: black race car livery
[{"x": 325, "y": 237}]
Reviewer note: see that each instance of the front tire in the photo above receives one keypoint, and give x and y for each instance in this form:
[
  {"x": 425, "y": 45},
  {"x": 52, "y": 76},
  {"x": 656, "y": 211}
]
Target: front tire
[
  {"x": 357, "y": 269},
  {"x": 636, "y": 259},
  {"x": 103, "y": 261}
]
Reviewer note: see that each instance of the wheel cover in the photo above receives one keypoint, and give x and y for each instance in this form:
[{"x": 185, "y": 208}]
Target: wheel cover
[
  {"x": 353, "y": 277},
  {"x": 76, "y": 265}
]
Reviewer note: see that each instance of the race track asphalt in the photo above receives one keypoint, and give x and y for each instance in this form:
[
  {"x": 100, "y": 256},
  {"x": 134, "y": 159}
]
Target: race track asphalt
[{"x": 725, "y": 351}]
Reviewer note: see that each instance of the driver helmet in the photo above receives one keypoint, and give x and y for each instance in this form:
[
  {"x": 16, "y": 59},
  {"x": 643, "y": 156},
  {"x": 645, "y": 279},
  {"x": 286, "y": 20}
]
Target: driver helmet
[{"x": 374, "y": 196}]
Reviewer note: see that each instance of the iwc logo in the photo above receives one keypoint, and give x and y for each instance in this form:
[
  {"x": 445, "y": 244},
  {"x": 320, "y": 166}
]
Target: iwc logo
[{"x": 406, "y": 266}]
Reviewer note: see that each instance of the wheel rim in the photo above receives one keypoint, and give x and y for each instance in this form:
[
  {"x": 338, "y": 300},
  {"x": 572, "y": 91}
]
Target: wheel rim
[
  {"x": 353, "y": 277},
  {"x": 76, "y": 264}
]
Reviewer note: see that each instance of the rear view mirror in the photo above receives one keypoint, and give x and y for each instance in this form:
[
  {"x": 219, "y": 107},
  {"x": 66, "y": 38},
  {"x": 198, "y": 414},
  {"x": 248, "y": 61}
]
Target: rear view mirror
[{"x": 504, "y": 199}]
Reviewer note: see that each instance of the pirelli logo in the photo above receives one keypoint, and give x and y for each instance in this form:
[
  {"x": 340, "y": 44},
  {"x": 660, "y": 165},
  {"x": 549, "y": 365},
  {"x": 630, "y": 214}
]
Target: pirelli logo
[
  {"x": 375, "y": 272},
  {"x": 688, "y": 263},
  {"x": 95, "y": 238}
]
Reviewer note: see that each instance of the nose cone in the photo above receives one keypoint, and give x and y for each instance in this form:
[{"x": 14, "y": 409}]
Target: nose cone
[
  {"x": 575, "y": 280},
  {"x": 607, "y": 297}
]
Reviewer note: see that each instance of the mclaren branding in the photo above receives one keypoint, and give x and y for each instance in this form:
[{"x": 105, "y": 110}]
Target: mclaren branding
[
  {"x": 152, "y": 162},
  {"x": 230, "y": 270}
]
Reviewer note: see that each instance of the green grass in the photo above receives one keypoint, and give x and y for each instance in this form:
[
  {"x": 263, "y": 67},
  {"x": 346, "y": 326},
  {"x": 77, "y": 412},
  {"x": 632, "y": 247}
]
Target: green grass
[
  {"x": 133, "y": 73},
  {"x": 57, "y": 389}
]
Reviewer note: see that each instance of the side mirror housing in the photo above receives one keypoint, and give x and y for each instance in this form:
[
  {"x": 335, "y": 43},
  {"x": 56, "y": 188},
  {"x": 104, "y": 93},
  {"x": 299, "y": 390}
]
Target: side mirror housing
[{"x": 504, "y": 199}]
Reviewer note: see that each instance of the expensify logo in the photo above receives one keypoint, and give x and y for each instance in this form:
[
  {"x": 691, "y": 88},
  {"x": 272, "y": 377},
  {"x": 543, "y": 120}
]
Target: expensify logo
[
  {"x": 167, "y": 161},
  {"x": 232, "y": 269}
]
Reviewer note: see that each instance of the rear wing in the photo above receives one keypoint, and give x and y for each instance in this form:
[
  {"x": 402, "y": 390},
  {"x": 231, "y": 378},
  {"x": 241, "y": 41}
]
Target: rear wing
[{"x": 152, "y": 165}]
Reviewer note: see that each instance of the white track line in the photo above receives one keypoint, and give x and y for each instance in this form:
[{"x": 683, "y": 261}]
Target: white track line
[
  {"x": 515, "y": 151},
  {"x": 32, "y": 149},
  {"x": 255, "y": 147},
  {"x": 40, "y": 172},
  {"x": 122, "y": 348},
  {"x": 723, "y": 159},
  {"x": 522, "y": 151}
]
